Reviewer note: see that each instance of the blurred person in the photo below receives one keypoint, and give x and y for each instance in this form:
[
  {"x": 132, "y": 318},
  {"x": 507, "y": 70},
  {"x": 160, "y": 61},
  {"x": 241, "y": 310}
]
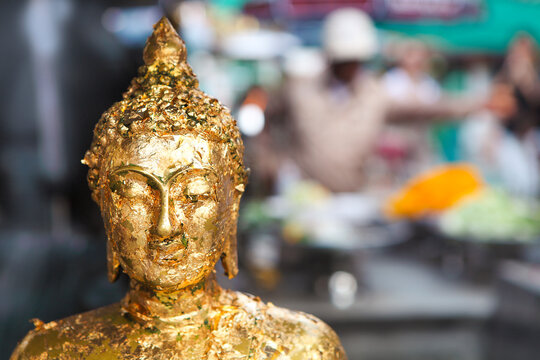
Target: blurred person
[
  {"x": 406, "y": 148},
  {"x": 520, "y": 68},
  {"x": 410, "y": 79},
  {"x": 335, "y": 114},
  {"x": 503, "y": 141},
  {"x": 323, "y": 108},
  {"x": 520, "y": 72},
  {"x": 506, "y": 158}
]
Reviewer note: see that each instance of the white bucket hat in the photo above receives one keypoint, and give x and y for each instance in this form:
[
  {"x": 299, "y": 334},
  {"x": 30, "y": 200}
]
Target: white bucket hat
[{"x": 349, "y": 35}]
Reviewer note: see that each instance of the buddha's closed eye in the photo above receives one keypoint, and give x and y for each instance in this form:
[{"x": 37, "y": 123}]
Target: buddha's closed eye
[
  {"x": 131, "y": 186},
  {"x": 197, "y": 189}
]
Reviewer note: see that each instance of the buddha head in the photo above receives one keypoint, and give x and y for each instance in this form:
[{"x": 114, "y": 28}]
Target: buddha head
[{"x": 166, "y": 169}]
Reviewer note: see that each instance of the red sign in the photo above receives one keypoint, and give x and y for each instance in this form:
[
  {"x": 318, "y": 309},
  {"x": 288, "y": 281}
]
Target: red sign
[
  {"x": 431, "y": 9},
  {"x": 302, "y": 9},
  {"x": 379, "y": 9},
  {"x": 320, "y": 8}
]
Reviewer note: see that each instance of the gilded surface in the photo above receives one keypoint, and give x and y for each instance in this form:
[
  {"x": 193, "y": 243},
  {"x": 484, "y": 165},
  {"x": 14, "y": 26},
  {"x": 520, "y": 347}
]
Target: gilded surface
[{"x": 166, "y": 169}]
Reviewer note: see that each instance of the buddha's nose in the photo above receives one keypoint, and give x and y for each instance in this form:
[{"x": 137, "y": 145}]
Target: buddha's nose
[{"x": 163, "y": 227}]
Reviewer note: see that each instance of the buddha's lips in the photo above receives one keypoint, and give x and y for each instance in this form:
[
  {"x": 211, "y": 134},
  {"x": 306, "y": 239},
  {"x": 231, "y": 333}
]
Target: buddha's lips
[{"x": 166, "y": 249}]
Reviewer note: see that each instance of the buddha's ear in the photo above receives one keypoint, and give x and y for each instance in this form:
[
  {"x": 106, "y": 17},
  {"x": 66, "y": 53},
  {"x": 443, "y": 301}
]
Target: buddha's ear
[{"x": 113, "y": 263}]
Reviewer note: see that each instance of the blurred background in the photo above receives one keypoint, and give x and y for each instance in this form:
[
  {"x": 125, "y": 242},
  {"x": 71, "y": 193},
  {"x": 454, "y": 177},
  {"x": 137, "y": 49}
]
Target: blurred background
[{"x": 394, "y": 152}]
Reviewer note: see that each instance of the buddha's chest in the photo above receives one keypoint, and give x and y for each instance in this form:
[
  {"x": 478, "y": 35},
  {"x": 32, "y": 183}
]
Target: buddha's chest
[{"x": 199, "y": 343}]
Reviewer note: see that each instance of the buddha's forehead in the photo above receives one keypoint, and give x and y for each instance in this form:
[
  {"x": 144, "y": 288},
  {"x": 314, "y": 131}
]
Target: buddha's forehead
[{"x": 164, "y": 154}]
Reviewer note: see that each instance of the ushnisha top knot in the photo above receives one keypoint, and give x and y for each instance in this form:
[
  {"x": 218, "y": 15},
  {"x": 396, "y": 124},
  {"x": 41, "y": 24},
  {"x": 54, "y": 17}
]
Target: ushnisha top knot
[
  {"x": 164, "y": 99},
  {"x": 164, "y": 45},
  {"x": 165, "y": 63}
]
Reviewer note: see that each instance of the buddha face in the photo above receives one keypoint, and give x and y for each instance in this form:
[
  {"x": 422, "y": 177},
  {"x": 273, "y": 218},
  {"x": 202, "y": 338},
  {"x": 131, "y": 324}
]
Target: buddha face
[{"x": 167, "y": 207}]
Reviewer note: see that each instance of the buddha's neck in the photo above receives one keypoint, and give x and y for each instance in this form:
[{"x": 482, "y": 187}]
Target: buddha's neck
[{"x": 174, "y": 306}]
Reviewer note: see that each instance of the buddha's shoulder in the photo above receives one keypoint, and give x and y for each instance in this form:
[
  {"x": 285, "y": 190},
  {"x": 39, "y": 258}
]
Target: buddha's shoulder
[
  {"x": 293, "y": 333},
  {"x": 57, "y": 339}
]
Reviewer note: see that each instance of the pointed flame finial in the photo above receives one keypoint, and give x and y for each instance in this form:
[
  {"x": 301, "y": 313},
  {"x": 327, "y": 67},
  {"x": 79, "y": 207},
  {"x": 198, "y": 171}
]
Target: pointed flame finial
[{"x": 164, "y": 45}]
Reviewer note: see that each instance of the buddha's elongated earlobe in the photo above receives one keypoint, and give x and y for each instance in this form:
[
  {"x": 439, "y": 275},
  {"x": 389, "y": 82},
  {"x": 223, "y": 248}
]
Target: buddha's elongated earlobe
[
  {"x": 229, "y": 258},
  {"x": 113, "y": 263}
]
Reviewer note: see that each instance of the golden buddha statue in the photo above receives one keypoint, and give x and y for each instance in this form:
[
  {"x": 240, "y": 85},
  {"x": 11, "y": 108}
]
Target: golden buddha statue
[{"x": 166, "y": 169}]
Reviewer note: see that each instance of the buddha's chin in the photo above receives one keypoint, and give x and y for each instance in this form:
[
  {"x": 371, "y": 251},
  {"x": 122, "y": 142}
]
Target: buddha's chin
[{"x": 169, "y": 276}]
